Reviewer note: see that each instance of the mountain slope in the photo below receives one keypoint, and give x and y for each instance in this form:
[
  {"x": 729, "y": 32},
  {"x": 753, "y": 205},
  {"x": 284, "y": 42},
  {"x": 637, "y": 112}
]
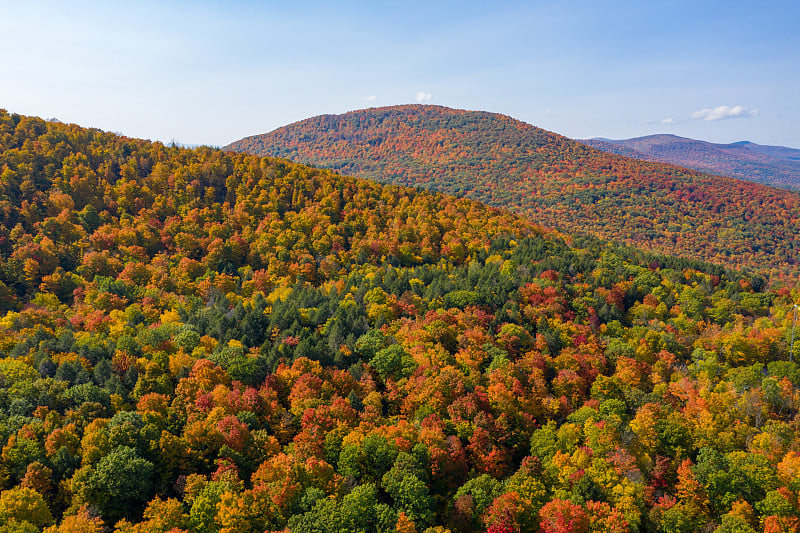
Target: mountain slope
[
  {"x": 772, "y": 165},
  {"x": 551, "y": 179},
  {"x": 194, "y": 340}
]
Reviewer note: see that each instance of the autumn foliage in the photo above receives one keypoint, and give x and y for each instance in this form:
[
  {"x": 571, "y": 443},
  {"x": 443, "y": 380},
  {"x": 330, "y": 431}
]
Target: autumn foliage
[
  {"x": 198, "y": 340},
  {"x": 552, "y": 180}
]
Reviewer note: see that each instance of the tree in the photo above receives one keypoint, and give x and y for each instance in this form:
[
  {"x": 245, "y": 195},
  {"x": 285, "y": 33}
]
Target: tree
[
  {"x": 472, "y": 499},
  {"x": 563, "y": 516},
  {"x": 22, "y": 504},
  {"x": 357, "y": 512},
  {"x": 120, "y": 484},
  {"x": 734, "y": 524}
]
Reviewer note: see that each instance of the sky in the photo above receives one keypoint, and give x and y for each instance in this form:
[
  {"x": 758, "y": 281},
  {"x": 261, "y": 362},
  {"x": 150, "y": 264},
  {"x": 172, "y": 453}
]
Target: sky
[{"x": 208, "y": 72}]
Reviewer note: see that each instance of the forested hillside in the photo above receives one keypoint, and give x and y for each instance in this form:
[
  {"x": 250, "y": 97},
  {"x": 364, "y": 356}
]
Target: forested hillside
[
  {"x": 198, "y": 340},
  {"x": 552, "y": 180},
  {"x": 772, "y": 165}
]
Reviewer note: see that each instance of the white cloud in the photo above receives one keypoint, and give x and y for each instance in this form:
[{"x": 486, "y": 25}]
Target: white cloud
[
  {"x": 423, "y": 97},
  {"x": 670, "y": 121},
  {"x": 722, "y": 112},
  {"x": 371, "y": 98}
]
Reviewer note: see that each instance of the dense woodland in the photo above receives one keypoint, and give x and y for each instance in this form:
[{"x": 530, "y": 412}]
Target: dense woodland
[
  {"x": 552, "y": 180},
  {"x": 199, "y": 340}
]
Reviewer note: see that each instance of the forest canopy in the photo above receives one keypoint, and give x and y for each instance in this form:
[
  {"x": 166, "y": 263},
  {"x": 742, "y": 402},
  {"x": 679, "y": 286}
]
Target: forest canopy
[
  {"x": 199, "y": 340},
  {"x": 552, "y": 180}
]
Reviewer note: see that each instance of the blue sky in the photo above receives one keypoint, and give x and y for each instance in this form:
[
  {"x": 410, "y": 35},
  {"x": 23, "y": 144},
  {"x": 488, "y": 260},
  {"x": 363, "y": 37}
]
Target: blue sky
[{"x": 213, "y": 72}]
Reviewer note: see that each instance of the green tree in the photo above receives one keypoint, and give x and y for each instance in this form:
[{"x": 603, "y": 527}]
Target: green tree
[{"x": 121, "y": 483}]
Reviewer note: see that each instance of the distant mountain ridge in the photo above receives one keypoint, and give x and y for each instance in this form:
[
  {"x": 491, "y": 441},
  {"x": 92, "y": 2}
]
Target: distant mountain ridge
[
  {"x": 773, "y": 165},
  {"x": 553, "y": 180}
]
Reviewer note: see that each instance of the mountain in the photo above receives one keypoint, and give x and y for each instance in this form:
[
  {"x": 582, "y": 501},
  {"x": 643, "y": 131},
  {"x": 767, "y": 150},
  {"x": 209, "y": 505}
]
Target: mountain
[
  {"x": 198, "y": 340},
  {"x": 772, "y": 165},
  {"x": 552, "y": 180}
]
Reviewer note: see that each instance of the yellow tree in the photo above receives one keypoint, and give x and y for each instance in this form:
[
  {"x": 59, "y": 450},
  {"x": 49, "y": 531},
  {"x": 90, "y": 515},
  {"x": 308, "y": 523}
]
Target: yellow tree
[{"x": 23, "y": 504}]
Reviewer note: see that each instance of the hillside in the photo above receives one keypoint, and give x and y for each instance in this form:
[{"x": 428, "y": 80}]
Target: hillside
[
  {"x": 771, "y": 165},
  {"x": 202, "y": 341},
  {"x": 552, "y": 180}
]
